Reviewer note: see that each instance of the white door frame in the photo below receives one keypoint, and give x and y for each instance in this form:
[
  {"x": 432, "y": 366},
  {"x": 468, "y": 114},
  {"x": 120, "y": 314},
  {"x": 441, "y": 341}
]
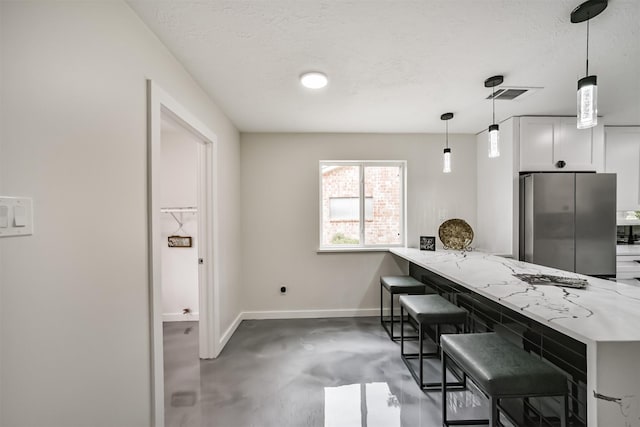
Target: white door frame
[{"x": 159, "y": 102}]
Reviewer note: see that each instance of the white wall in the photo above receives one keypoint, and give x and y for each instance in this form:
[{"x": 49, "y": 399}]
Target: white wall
[
  {"x": 1, "y": 174},
  {"x": 280, "y": 215},
  {"x": 622, "y": 157},
  {"x": 179, "y": 160},
  {"x": 498, "y": 189},
  {"x": 75, "y": 295}
]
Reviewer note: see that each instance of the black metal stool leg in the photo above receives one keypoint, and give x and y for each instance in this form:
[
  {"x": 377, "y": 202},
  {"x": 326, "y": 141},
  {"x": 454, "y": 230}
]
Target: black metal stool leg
[
  {"x": 391, "y": 323},
  {"x": 444, "y": 389},
  {"x": 493, "y": 415},
  {"x": 420, "y": 338},
  {"x": 574, "y": 392},
  {"x": 381, "y": 305},
  {"x": 401, "y": 331},
  {"x": 412, "y": 307}
]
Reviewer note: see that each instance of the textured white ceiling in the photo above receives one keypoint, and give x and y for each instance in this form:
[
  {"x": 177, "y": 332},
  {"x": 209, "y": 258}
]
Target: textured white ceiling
[{"x": 396, "y": 65}]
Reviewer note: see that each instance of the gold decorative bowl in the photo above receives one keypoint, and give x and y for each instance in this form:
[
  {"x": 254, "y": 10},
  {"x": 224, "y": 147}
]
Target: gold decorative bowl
[{"x": 455, "y": 234}]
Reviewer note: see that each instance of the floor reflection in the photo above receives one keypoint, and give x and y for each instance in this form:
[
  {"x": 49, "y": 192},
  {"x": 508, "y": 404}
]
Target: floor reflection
[
  {"x": 463, "y": 401},
  {"x": 361, "y": 405},
  {"x": 302, "y": 372},
  {"x": 182, "y": 375}
]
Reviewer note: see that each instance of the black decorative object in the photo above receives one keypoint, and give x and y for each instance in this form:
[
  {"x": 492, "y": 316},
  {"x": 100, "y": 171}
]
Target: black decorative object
[
  {"x": 547, "y": 279},
  {"x": 427, "y": 243}
]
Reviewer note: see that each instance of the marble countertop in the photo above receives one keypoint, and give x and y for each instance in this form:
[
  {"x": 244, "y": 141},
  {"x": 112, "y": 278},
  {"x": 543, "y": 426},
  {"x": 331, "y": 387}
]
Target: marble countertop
[
  {"x": 605, "y": 311},
  {"x": 632, "y": 282},
  {"x": 627, "y": 250}
]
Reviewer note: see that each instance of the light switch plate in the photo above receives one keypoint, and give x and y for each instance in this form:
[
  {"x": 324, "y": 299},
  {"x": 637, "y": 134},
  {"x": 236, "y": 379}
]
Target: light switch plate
[{"x": 18, "y": 212}]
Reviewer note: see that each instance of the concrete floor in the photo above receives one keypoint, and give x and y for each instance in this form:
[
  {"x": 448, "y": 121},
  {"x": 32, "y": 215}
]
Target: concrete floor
[{"x": 301, "y": 372}]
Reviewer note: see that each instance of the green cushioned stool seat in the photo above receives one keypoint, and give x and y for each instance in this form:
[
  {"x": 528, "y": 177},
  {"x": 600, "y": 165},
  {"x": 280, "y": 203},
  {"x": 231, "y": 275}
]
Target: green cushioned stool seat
[
  {"x": 429, "y": 311},
  {"x": 402, "y": 285},
  {"x": 432, "y": 309},
  {"x": 396, "y": 285},
  {"x": 500, "y": 369}
]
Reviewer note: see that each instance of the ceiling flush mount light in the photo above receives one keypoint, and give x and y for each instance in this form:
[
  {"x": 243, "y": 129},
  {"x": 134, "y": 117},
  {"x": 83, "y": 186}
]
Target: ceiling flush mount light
[
  {"x": 588, "y": 85},
  {"x": 446, "y": 158},
  {"x": 314, "y": 80},
  {"x": 494, "y": 129}
]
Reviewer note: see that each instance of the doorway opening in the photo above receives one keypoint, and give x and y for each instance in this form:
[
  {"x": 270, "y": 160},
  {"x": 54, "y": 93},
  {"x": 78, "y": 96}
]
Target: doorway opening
[
  {"x": 182, "y": 235},
  {"x": 179, "y": 222}
]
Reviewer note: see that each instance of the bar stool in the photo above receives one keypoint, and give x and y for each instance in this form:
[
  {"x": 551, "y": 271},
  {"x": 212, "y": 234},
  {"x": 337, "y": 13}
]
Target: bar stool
[
  {"x": 500, "y": 370},
  {"x": 399, "y": 285},
  {"x": 429, "y": 310}
]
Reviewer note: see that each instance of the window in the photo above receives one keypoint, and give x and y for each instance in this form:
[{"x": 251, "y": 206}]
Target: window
[
  {"x": 361, "y": 204},
  {"x": 348, "y": 208}
]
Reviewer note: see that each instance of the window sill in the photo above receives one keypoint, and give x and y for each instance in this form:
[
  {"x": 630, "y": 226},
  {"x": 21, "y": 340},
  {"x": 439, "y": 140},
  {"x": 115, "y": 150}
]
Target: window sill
[{"x": 339, "y": 250}]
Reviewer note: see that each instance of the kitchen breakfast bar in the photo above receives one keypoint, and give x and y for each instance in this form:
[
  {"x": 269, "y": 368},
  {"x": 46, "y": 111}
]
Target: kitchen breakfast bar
[{"x": 590, "y": 334}]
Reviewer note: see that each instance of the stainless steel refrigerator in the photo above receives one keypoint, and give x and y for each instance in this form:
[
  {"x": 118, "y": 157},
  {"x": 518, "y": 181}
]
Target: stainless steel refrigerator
[{"x": 568, "y": 221}]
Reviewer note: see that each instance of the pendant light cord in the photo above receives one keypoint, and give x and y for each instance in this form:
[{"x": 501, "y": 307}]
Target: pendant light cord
[
  {"x": 447, "y": 134},
  {"x": 493, "y": 103},
  {"x": 587, "y": 48}
]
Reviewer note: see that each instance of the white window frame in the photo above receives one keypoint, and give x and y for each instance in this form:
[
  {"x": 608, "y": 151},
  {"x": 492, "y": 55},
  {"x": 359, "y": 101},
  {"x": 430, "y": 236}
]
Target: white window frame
[{"x": 402, "y": 164}]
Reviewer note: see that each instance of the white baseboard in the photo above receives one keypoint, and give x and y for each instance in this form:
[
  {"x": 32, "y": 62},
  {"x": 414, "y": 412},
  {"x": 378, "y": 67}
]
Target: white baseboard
[
  {"x": 311, "y": 314},
  {"x": 230, "y": 330},
  {"x": 179, "y": 317}
]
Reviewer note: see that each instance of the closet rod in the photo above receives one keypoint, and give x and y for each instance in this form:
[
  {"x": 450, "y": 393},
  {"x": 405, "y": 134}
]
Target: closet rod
[{"x": 185, "y": 209}]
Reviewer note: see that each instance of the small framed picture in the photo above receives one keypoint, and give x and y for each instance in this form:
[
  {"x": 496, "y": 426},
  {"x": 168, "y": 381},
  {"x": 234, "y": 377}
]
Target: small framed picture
[
  {"x": 179, "y": 241},
  {"x": 427, "y": 243}
]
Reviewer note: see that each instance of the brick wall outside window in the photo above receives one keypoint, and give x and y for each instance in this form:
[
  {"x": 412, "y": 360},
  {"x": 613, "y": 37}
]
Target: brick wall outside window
[{"x": 383, "y": 185}]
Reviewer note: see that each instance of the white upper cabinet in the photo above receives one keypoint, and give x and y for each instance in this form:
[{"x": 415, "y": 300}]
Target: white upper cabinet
[
  {"x": 555, "y": 144},
  {"x": 537, "y": 143},
  {"x": 623, "y": 159}
]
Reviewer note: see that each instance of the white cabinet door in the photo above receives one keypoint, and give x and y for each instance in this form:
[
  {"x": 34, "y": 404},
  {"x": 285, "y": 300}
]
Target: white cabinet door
[
  {"x": 623, "y": 159},
  {"x": 575, "y": 146},
  {"x": 537, "y": 140},
  {"x": 556, "y": 144}
]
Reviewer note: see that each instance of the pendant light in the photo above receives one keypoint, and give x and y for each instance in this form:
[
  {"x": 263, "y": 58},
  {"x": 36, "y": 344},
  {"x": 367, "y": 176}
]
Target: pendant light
[
  {"x": 446, "y": 157},
  {"x": 494, "y": 129},
  {"x": 588, "y": 85}
]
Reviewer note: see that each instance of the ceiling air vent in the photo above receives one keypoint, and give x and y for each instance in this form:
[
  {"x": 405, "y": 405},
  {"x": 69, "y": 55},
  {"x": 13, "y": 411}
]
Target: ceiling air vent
[{"x": 511, "y": 93}]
